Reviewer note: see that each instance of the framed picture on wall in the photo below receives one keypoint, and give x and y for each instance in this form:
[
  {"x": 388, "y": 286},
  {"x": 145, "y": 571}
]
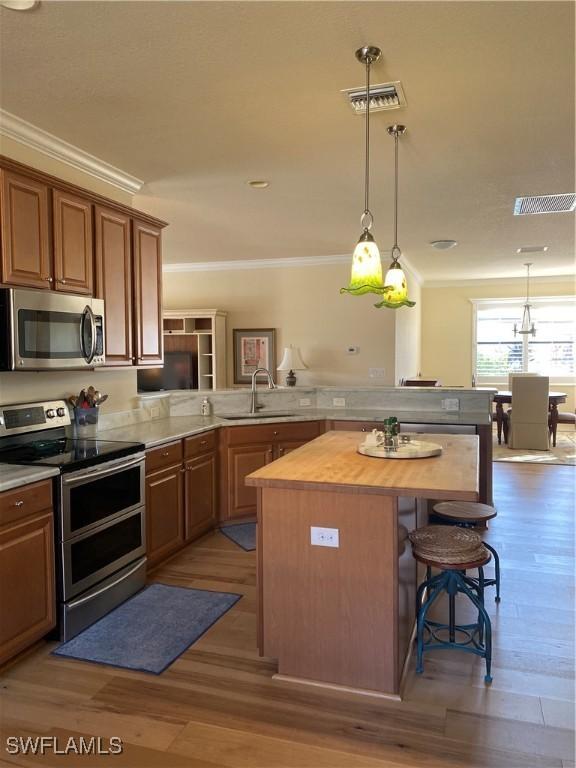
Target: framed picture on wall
[{"x": 253, "y": 348}]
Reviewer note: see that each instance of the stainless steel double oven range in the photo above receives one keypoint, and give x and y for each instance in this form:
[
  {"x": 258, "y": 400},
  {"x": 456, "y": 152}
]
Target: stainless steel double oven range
[{"x": 100, "y": 523}]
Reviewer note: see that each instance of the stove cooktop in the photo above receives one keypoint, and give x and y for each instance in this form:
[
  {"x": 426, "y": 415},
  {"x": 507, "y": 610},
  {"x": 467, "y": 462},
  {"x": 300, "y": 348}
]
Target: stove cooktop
[{"x": 66, "y": 453}]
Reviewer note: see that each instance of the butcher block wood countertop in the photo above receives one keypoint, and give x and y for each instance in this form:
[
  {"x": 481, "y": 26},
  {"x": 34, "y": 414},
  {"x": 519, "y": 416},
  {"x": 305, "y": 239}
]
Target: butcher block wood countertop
[{"x": 331, "y": 462}]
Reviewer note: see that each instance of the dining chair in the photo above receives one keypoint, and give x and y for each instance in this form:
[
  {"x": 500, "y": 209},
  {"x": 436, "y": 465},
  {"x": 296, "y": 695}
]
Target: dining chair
[
  {"x": 529, "y": 415},
  {"x": 521, "y": 375}
]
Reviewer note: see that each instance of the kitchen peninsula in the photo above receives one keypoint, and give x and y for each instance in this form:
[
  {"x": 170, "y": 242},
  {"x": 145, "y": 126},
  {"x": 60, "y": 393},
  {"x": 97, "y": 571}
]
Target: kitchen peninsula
[{"x": 341, "y": 613}]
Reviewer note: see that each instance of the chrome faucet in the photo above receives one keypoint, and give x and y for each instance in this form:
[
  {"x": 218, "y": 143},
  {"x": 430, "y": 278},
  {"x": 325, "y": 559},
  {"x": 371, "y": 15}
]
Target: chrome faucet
[{"x": 253, "y": 406}]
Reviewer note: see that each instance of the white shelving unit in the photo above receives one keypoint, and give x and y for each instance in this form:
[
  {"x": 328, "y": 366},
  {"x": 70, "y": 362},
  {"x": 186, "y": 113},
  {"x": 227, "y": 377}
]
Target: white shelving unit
[{"x": 205, "y": 330}]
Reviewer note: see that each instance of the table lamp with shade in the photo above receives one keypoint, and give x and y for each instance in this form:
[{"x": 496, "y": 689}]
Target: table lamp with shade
[{"x": 292, "y": 361}]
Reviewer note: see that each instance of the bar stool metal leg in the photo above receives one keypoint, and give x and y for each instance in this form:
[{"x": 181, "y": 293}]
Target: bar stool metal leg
[{"x": 496, "y": 569}]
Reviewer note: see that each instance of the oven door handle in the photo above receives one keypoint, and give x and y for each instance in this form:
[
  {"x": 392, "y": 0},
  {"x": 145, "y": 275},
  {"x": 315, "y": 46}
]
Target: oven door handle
[
  {"x": 88, "y": 314},
  {"x": 94, "y": 473},
  {"x": 92, "y": 595}
]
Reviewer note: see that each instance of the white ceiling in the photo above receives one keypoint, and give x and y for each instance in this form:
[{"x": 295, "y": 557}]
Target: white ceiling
[{"x": 198, "y": 97}]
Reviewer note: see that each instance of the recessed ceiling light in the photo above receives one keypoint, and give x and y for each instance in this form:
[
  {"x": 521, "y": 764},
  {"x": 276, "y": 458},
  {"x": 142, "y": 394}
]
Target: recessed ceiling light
[
  {"x": 443, "y": 245},
  {"x": 19, "y": 5},
  {"x": 532, "y": 249},
  {"x": 258, "y": 184}
]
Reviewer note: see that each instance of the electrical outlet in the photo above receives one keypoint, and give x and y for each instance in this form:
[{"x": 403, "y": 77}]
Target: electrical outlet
[
  {"x": 339, "y": 402},
  {"x": 376, "y": 373},
  {"x": 324, "y": 537},
  {"x": 352, "y": 349},
  {"x": 155, "y": 412},
  {"x": 451, "y": 404},
  {"x": 304, "y": 401}
]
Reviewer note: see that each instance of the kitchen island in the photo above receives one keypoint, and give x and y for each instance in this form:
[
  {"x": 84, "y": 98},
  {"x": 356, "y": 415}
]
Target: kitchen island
[{"x": 339, "y": 613}]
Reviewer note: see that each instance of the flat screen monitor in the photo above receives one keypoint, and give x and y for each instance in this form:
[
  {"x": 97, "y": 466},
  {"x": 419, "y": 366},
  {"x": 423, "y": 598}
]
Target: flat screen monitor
[{"x": 178, "y": 372}]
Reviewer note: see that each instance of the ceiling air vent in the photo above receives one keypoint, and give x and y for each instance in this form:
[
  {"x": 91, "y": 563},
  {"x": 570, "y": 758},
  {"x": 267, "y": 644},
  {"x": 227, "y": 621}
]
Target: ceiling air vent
[
  {"x": 545, "y": 204},
  {"x": 382, "y": 96}
]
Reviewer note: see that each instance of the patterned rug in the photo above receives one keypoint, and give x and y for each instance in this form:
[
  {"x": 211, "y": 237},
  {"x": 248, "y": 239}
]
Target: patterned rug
[{"x": 564, "y": 453}]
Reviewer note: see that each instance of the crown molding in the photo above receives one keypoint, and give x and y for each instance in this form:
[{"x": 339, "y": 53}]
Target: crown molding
[
  {"x": 31, "y": 136},
  {"x": 295, "y": 261},
  {"x": 241, "y": 264},
  {"x": 491, "y": 281}
]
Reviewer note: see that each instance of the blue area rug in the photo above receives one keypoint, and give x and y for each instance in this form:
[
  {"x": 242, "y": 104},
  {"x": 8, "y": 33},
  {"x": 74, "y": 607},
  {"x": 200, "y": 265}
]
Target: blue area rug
[
  {"x": 243, "y": 534},
  {"x": 149, "y": 631}
]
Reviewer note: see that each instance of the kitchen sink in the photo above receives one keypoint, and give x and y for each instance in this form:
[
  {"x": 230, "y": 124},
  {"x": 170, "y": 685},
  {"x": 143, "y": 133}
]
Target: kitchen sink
[{"x": 250, "y": 416}]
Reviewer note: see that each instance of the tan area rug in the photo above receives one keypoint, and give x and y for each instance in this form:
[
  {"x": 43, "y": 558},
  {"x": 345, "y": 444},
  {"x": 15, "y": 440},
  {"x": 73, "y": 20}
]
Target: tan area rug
[{"x": 564, "y": 453}]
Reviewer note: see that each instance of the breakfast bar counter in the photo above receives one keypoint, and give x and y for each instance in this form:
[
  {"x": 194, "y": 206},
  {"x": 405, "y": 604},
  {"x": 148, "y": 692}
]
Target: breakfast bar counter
[{"x": 336, "y": 605}]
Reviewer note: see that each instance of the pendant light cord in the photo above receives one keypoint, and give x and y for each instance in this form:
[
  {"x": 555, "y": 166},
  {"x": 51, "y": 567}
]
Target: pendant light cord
[
  {"x": 395, "y": 248},
  {"x": 367, "y": 153}
]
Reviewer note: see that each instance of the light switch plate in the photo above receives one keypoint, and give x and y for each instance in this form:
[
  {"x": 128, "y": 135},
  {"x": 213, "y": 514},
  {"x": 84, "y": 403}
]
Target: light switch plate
[
  {"x": 304, "y": 401},
  {"x": 376, "y": 373},
  {"x": 324, "y": 537},
  {"x": 155, "y": 412},
  {"x": 451, "y": 404},
  {"x": 339, "y": 402}
]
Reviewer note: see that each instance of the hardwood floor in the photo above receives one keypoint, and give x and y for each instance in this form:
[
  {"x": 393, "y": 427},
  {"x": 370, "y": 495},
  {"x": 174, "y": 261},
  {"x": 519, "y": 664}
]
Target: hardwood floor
[{"x": 218, "y": 706}]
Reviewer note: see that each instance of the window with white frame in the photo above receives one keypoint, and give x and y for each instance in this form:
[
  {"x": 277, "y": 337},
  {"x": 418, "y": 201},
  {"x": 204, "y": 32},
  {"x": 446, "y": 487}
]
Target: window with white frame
[{"x": 497, "y": 352}]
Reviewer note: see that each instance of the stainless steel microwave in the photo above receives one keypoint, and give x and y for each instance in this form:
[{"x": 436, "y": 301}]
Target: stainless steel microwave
[{"x": 45, "y": 330}]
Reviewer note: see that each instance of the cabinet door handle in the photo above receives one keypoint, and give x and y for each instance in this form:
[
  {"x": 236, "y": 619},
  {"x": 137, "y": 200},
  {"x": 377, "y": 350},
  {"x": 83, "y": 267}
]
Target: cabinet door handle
[
  {"x": 183, "y": 471},
  {"x": 363, "y": 429},
  {"x": 62, "y": 282},
  {"x": 203, "y": 442},
  {"x": 19, "y": 503},
  {"x": 165, "y": 453},
  {"x": 275, "y": 432},
  {"x": 280, "y": 450},
  {"x": 47, "y": 279}
]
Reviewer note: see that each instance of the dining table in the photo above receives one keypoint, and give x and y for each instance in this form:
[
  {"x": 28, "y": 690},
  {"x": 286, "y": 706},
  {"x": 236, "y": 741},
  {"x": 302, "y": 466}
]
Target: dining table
[{"x": 503, "y": 397}]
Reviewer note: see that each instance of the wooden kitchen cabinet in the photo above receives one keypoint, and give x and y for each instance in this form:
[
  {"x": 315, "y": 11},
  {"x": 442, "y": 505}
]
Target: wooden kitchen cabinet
[
  {"x": 244, "y": 449},
  {"x": 57, "y": 236},
  {"x": 181, "y": 494},
  {"x": 27, "y": 590},
  {"x": 200, "y": 495},
  {"x": 114, "y": 282},
  {"x": 242, "y": 461},
  {"x": 147, "y": 255},
  {"x": 73, "y": 243},
  {"x": 164, "y": 514},
  {"x": 25, "y": 231}
]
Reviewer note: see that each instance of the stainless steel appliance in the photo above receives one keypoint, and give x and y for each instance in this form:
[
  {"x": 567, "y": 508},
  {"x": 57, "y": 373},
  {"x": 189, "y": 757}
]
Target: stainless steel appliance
[
  {"x": 42, "y": 330},
  {"x": 100, "y": 519}
]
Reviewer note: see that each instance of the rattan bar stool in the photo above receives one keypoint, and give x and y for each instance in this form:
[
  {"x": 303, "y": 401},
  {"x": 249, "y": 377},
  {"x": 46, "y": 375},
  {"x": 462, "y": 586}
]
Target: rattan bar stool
[
  {"x": 452, "y": 550},
  {"x": 468, "y": 514}
]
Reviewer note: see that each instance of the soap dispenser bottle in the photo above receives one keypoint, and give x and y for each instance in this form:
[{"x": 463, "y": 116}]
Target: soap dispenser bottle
[{"x": 206, "y": 408}]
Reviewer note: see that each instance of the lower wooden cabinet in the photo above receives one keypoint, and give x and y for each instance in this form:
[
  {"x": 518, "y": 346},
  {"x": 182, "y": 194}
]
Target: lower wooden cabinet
[
  {"x": 242, "y": 461},
  {"x": 181, "y": 494},
  {"x": 27, "y": 592},
  {"x": 200, "y": 495},
  {"x": 244, "y": 449},
  {"x": 164, "y": 514}
]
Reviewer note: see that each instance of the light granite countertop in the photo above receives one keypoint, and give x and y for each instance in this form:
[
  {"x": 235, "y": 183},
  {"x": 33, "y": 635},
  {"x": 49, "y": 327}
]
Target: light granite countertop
[
  {"x": 161, "y": 431},
  {"x": 13, "y": 476}
]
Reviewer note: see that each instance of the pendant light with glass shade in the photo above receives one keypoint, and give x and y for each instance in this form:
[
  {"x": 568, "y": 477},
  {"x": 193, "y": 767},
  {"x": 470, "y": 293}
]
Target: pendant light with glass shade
[
  {"x": 527, "y": 328},
  {"x": 395, "y": 292},
  {"x": 366, "y": 276}
]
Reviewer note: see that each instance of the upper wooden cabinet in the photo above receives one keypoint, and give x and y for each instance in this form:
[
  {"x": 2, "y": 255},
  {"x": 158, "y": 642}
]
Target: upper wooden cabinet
[
  {"x": 73, "y": 243},
  {"x": 114, "y": 282},
  {"x": 146, "y": 246},
  {"x": 25, "y": 225},
  {"x": 57, "y": 236}
]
